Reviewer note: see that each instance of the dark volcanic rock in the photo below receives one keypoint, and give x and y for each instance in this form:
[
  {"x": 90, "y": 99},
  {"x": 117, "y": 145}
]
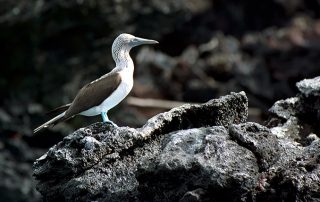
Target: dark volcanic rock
[
  {"x": 191, "y": 153},
  {"x": 310, "y": 99},
  {"x": 309, "y": 87},
  {"x": 203, "y": 158},
  {"x": 298, "y": 117},
  {"x": 296, "y": 176},
  {"x": 16, "y": 182},
  {"x": 99, "y": 162},
  {"x": 251, "y": 136}
]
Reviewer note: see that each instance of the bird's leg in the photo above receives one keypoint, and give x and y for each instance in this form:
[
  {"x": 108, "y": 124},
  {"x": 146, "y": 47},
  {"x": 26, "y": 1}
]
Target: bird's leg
[{"x": 105, "y": 119}]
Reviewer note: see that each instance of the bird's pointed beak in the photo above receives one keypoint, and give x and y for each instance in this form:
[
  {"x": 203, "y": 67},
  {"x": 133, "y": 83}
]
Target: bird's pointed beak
[{"x": 139, "y": 41}]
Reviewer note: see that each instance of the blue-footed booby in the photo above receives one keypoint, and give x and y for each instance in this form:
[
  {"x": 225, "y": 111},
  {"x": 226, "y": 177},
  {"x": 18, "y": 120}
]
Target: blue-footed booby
[{"x": 104, "y": 93}]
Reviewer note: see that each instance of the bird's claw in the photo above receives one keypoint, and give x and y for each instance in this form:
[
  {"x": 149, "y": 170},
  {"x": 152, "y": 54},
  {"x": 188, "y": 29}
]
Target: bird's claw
[{"x": 111, "y": 123}]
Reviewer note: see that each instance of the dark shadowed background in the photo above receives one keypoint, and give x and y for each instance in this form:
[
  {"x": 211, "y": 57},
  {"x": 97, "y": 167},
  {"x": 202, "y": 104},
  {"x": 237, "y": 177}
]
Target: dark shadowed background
[{"x": 208, "y": 48}]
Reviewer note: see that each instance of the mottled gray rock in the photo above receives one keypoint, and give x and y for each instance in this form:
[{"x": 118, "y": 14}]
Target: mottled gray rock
[
  {"x": 259, "y": 140},
  {"x": 191, "y": 153},
  {"x": 16, "y": 182},
  {"x": 310, "y": 100},
  {"x": 309, "y": 87},
  {"x": 285, "y": 122},
  {"x": 100, "y": 161},
  {"x": 298, "y": 117},
  {"x": 295, "y": 177},
  {"x": 286, "y": 108},
  {"x": 204, "y": 158}
]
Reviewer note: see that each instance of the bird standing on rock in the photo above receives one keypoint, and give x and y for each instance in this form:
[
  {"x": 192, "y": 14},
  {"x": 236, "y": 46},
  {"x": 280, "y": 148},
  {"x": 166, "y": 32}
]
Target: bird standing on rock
[{"x": 104, "y": 93}]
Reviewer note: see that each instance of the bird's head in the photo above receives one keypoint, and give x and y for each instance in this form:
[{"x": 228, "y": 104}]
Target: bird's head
[
  {"x": 129, "y": 41},
  {"x": 123, "y": 44}
]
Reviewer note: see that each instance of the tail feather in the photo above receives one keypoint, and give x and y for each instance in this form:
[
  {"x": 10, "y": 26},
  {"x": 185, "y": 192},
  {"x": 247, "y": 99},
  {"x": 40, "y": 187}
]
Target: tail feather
[
  {"x": 58, "y": 110},
  {"x": 51, "y": 122}
]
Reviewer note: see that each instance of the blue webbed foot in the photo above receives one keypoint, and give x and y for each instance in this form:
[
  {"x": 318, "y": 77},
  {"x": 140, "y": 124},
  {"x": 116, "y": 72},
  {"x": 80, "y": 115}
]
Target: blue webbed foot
[
  {"x": 110, "y": 122},
  {"x": 105, "y": 119}
]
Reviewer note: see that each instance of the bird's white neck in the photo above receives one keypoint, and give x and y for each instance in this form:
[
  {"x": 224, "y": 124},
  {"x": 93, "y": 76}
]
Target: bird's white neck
[{"x": 123, "y": 60}]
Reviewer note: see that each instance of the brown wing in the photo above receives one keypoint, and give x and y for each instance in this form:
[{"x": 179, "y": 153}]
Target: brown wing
[{"x": 94, "y": 93}]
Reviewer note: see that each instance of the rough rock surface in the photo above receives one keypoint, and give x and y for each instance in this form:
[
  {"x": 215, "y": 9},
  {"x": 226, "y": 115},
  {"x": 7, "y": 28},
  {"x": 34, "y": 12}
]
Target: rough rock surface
[
  {"x": 100, "y": 161},
  {"x": 202, "y": 152},
  {"x": 295, "y": 177},
  {"x": 298, "y": 117},
  {"x": 310, "y": 87},
  {"x": 16, "y": 182}
]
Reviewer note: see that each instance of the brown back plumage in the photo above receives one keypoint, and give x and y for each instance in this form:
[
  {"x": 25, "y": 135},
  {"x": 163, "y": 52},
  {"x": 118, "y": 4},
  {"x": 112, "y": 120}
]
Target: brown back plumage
[{"x": 94, "y": 93}]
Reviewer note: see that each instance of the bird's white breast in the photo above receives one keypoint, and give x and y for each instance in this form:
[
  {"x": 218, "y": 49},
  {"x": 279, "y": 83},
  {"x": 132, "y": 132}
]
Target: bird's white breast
[{"x": 117, "y": 96}]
